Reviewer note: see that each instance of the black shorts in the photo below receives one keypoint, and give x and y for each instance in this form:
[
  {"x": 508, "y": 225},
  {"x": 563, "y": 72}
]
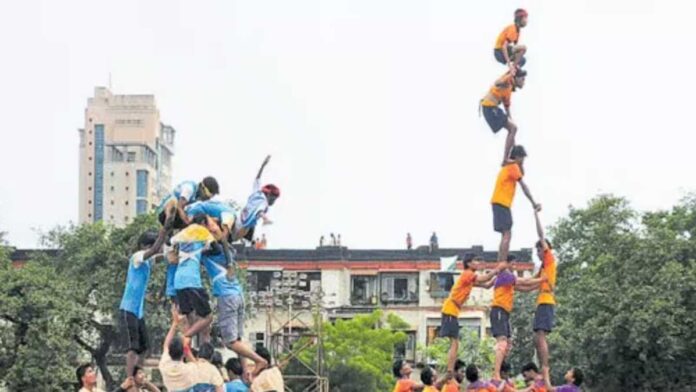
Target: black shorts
[
  {"x": 178, "y": 223},
  {"x": 134, "y": 332},
  {"x": 193, "y": 300},
  {"x": 495, "y": 117},
  {"x": 502, "y": 218},
  {"x": 544, "y": 318},
  {"x": 449, "y": 327},
  {"x": 500, "y": 322},
  {"x": 498, "y": 54}
]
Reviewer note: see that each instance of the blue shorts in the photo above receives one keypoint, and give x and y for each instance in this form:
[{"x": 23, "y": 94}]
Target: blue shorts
[
  {"x": 544, "y": 318},
  {"x": 500, "y": 322},
  {"x": 449, "y": 327},
  {"x": 495, "y": 117}
]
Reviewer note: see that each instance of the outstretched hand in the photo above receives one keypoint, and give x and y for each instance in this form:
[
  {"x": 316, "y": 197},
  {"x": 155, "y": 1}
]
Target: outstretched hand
[
  {"x": 128, "y": 383},
  {"x": 265, "y": 161},
  {"x": 537, "y": 207}
]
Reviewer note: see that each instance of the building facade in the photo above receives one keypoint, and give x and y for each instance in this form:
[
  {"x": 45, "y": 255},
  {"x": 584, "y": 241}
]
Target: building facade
[
  {"x": 347, "y": 282},
  {"x": 125, "y": 157}
]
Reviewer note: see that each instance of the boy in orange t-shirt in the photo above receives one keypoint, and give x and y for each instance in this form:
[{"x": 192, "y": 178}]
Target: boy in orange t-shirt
[
  {"x": 496, "y": 117},
  {"x": 507, "y": 51},
  {"x": 449, "y": 327},
  {"x": 546, "y": 302},
  {"x": 402, "y": 371},
  {"x": 506, "y": 183}
]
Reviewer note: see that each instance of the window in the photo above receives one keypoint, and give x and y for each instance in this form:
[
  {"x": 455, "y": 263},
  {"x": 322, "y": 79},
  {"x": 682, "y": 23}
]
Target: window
[
  {"x": 112, "y": 174},
  {"x": 441, "y": 283},
  {"x": 89, "y": 202},
  {"x": 363, "y": 290},
  {"x": 520, "y": 274},
  {"x": 90, "y": 158},
  {"x": 131, "y": 157},
  {"x": 309, "y": 281},
  {"x": 141, "y": 183},
  {"x": 141, "y": 207},
  {"x": 126, "y": 202},
  {"x": 127, "y": 174},
  {"x": 112, "y": 189},
  {"x": 99, "y": 171},
  {"x": 261, "y": 280},
  {"x": 112, "y": 202},
  {"x": 125, "y": 218},
  {"x": 90, "y": 173},
  {"x": 406, "y": 350},
  {"x": 399, "y": 288},
  {"x": 89, "y": 188},
  {"x": 256, "y": 339}
]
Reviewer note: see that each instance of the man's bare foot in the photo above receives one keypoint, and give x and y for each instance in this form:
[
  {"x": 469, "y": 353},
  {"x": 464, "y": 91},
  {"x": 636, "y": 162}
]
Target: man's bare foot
[{"x": 260, "y": 366}]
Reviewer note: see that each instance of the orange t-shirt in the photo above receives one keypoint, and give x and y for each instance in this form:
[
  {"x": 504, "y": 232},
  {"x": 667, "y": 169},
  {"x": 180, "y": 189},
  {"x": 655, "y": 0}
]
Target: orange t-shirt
[
  {"x": 501, "y": 91},
  {"x": 506, "y": 184},
  {"x": 451, "y": 386},
  {"x": 509, "y": 34},
  {"x": 548, "y": 269},
  {"x": 404, "y": 385},
  {"x": 539, "y": 386},
  {"x": 429, "y": 388},
  {"x": 504, "y": 290},
  {"x": 459, "y": 293}
]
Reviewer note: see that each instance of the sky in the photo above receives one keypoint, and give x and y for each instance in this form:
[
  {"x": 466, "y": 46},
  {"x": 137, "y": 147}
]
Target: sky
[{"x": 368, "y": 108}]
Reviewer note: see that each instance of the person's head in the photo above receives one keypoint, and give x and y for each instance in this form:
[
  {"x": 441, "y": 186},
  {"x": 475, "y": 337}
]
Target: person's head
[
  {"x": 206, "y": 351},
  {"x": 217, "y": 359},
  {"x": 147, "y": 239},
  {"x": 511, "y": 260},
  {"x": 467, "y": 260},
  {"x": 428, "y": 375},
  {"x": 459, "y": 370},
  {"x": 208, "y": 188},
  {"x": 539, "y": 246},
  {"x": 518, "y": 154},
  {"x": 472, "y": 373},
  {"x": 505, "y": 370},
  {"x": 176, "y": 348},
  {"x": 86, "y": 375},
  {"x": 138, "y": 375},
  {"x": 521, "y": 17},
  {"x": 264, "y": 353},
  {"x": 574, "y": 376},
  {"x": 401, "y": 368},
  {"x": 520, "y": 77},
  {"x": 272, "y": 193},
  {"x": 530, "y": 371},
  {"x": 234, "y": 368}
]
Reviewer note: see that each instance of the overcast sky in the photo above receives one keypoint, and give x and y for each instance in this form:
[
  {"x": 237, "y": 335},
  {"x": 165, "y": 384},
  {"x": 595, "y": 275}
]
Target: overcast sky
[{"x": 369, "y": 107}]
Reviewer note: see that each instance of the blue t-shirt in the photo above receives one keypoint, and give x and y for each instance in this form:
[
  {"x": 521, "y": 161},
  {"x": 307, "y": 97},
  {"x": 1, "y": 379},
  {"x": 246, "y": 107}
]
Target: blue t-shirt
[
  {"x": 222, "y": 285},
  {"x": 171, "y": 272},
  {"x": 192, "y": 241},
  {"x": 236, "y": 386},
  {"x": 133, "y": 299},
  {"x": 188, "y": 190},
  {"x": 256, "y": 205},
  {"x": 223, "y": 212}
]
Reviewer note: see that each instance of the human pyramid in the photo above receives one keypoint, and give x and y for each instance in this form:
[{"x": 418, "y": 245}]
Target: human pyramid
[
  {"x": 508, "y": 52},
  {"x": 198, "y": 230}
]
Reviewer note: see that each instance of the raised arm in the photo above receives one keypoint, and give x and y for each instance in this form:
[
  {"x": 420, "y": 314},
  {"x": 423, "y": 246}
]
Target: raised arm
[
  {"x": 539, "y": 228},
  {"x": 263, "y": 166},
  {"x": 547, "y": 379},
  {"x": 486, "y": 285},
  {"x": 151, "y": 251},
  {"x": 525, "y": 189},
  {"x": 484, "y": 278},
  {"x": 172, "y": 330}
]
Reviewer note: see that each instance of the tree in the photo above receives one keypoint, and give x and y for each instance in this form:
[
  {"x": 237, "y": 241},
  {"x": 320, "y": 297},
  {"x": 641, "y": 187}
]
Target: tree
[
  {"x": 358, "y": 353},
  {"x": 626, "y": 290},
  {"x": 93, "y": 260},
  {"x": 472, "y": 349},
  {"x": 36, "y": 314}
]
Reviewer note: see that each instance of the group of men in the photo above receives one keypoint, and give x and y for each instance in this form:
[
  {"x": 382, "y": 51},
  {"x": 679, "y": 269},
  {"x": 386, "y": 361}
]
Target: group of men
[
  {"x": 198, "y": 229},
  {"x": 502, "y": 278}
]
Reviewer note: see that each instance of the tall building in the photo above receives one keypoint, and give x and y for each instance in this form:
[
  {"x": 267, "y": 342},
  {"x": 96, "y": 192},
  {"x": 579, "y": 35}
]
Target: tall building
[{"x": 125, "y": 157}]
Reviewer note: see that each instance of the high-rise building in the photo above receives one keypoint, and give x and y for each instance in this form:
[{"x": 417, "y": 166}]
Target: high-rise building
[{"x": 125, "y": 157}]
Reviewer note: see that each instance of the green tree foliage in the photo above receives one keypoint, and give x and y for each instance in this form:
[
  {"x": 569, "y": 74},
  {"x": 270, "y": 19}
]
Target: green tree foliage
[
  {"x": 36, "y": 313},
  {"x": 60, "y": 311},
  {"x": 626, "y": 289},
  {"x": 472, "y": 349},
  {"x": 358, "y": 352}
]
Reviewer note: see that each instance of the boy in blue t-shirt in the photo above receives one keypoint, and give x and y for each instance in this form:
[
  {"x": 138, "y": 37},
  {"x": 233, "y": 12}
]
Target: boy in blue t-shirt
[
  {"x": 132, "y": 307},
  {"x": 171, "y": 212},
  {"x": 235, "y": 373}
]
